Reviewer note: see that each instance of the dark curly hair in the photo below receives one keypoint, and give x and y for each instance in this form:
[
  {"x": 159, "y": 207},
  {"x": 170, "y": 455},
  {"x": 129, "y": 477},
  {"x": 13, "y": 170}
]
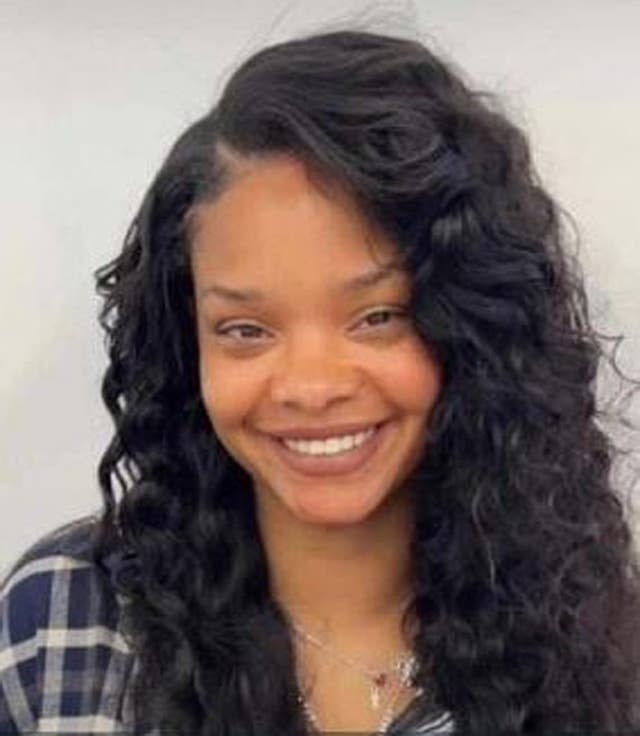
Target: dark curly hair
[{"x": 527, "y": 585}]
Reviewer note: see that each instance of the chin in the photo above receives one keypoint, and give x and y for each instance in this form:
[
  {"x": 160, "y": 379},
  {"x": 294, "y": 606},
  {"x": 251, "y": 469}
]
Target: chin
[
  {"x": 336, "y": 511},
  {"x": 333, "y": 517}
]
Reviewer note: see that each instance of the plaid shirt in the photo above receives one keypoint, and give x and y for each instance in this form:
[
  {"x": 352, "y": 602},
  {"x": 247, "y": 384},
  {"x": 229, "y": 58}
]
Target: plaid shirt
[{"x": 64, "y": 665}]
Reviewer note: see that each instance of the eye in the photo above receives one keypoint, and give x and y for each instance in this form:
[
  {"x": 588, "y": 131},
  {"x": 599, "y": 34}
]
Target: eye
[
  {"x": 241, "y": 331},
  {"x": 384, "y": 317},
  {"x": 247, "y": 333}
]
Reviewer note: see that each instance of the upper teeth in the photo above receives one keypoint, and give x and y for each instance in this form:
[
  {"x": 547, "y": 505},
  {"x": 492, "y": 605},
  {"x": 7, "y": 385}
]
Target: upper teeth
[{"x": 331, "y": 445}]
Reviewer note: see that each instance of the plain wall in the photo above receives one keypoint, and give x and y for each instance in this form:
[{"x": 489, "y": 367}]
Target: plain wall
[{"x": 94, "y": 93}]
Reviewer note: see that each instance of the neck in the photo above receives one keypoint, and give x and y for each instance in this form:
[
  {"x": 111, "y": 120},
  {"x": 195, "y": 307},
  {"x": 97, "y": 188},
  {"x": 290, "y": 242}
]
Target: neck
[{"x": 341, "y": 581}]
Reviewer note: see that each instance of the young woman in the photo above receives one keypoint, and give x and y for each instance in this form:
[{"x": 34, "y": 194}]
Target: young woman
[{"x": 357, "y": 481}]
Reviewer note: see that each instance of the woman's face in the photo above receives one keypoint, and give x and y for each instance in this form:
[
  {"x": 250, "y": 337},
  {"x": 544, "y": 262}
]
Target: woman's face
[{"x": 294, "y": 340}]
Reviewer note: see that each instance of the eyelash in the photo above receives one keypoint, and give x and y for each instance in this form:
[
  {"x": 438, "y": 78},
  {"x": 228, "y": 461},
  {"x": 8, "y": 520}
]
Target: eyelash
[{"x": 398, "y": 313}]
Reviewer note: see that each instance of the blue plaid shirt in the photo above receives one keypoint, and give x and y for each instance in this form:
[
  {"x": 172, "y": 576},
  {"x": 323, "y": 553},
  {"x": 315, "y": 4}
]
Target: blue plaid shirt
[{"x": 64, "y": 665}]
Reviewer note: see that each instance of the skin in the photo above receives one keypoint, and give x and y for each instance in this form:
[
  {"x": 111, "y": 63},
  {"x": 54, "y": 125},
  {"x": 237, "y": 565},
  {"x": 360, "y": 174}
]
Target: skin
[{"x": 337, "y": 546}]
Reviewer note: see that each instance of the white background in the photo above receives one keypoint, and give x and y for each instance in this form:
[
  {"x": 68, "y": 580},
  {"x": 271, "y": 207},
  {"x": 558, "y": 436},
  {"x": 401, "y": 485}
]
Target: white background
[{"x": 92, "y": 94}]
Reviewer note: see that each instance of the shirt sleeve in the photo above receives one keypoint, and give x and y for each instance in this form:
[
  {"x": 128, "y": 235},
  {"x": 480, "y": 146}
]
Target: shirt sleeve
[
  {"x": 64, "y": 666},
  {"x": 21, "y": 600}
]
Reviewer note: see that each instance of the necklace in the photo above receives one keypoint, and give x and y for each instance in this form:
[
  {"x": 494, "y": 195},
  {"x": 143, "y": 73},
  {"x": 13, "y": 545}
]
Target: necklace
[
  {"x": 385, "y": 721},
  {"x": 379, "y": 679},
  {"x": 404, "y": 666}
]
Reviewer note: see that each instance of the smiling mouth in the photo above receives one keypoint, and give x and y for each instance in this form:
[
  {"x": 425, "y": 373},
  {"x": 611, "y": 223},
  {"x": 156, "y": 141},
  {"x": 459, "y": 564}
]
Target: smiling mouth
[
  {"x": 331, "y": 445},
  {"x": 333, "y": 456}
]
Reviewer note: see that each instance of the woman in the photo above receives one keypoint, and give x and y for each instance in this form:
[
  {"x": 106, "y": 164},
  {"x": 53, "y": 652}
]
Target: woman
[{"x": 362, "y": 486}]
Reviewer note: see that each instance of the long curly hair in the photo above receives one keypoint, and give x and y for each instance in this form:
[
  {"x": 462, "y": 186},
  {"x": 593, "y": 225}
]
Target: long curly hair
[{"x": 527, "y": 589}]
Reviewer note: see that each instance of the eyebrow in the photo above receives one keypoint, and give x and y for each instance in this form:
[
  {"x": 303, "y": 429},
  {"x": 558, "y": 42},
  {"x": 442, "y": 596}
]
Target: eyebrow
[{"x": 363, "y": 281}]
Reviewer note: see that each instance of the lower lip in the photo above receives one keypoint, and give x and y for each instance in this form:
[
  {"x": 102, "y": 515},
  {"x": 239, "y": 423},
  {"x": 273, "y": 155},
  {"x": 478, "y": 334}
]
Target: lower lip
[{"x": 340, "y": 464}]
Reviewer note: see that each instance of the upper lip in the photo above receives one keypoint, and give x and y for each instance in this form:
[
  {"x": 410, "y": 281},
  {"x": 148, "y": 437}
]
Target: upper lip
[{"x": 312, "y": 433}]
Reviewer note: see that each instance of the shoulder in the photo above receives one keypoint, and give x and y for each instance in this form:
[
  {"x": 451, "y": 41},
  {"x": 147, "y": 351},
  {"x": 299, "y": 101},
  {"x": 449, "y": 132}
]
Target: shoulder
[
  {"x": 73, "y": 539},
  {"x": 63, "y": 659},
  {"x": 56, "y": 584}
]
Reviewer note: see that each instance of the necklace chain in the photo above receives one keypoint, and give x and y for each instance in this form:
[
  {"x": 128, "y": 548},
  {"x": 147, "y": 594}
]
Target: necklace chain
[
  {"x": 397, "y": 665},
  {"x": 405, "y": 666}
]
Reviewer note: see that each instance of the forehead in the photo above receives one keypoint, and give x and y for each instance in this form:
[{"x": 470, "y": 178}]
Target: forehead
[{"x": 274, "y": 212}]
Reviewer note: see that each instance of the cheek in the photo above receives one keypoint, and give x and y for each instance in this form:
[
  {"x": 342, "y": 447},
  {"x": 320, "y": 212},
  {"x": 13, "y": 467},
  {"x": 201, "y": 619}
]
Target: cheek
[
  {"x": 413, "y": 379},
  {"x": 227, "y": 393}
]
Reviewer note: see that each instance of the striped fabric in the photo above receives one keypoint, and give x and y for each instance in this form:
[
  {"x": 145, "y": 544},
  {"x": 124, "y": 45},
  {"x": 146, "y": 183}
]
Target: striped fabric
[{"x": 64, "y": 665}]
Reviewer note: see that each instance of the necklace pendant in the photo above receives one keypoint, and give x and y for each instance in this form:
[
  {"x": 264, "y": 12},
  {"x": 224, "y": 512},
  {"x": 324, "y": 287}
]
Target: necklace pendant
[
  {"x": 379, "y": 681},
  {"x": 375, "y": 697}
]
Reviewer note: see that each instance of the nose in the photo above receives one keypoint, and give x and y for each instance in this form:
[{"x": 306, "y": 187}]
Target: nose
[{"x": 314, "y": 374}]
